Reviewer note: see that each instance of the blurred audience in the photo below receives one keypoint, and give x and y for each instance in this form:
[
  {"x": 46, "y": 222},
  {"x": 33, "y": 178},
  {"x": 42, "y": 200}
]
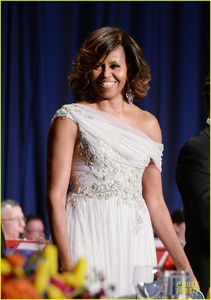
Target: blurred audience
[
  {"x": 13, "y": 220},
  {"x": 34, "y": 229}
]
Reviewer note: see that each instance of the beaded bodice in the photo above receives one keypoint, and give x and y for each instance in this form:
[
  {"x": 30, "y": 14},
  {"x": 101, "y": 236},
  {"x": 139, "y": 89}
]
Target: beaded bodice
[
  {"x": 99, "y": 170},
  {"x": 109, "y": 158}
]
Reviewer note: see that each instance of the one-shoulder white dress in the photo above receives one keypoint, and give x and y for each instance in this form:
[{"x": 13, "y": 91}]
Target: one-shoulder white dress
[{"x": 108, "y": 220}]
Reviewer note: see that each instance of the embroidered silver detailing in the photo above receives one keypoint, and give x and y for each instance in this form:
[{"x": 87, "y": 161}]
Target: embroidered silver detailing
[
  {"x": 105, "y": 168},
  {"x": 107, "y": 177},
  {"x": 66, "y": 111}
]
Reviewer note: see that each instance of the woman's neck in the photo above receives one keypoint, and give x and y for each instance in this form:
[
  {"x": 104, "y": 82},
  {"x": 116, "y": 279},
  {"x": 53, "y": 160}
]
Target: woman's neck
[{"x": 114, "y": 107}]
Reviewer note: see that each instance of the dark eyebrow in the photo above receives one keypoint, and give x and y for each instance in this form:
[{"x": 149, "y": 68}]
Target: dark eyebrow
[
  {"x": 111, "y": 63},
  {"x": 115, "y": 62}
]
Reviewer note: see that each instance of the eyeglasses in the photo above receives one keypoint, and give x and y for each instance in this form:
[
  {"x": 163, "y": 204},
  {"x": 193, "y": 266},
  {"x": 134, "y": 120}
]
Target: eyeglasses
[
  {"x": 34, "y": 230},
  {"x": 15, "y": 219}
]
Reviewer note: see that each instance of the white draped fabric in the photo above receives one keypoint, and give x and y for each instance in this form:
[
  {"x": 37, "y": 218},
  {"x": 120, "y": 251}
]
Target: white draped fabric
[{"x": 108, "y": 220}]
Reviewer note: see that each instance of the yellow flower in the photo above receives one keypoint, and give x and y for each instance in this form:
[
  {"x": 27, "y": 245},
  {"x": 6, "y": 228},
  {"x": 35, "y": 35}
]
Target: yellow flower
[
  {"x": 42, "y": 276},
  {"x": 6, "y": 267},
  {"x": 54, "y": 292},
  {"x": 18, "y": 271},
  {"x": 50, "y": 253},
  {"x": 78, "y": 274}
]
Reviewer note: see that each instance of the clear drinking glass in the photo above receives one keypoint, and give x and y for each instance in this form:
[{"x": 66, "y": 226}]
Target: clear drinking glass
[
  {"x": 148, "y": 281},
  {"x": 176, "y": 284}
]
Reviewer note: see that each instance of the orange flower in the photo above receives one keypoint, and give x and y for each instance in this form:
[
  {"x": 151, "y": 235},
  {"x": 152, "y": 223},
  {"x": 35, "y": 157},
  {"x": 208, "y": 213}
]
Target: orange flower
[
  {"x": 16, "y": 259},
  {"x": 21, "y": 288}
]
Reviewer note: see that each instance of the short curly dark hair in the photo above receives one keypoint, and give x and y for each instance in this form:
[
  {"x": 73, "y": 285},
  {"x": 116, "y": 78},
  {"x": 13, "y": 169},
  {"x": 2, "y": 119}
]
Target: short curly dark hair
[{"x": 100, "y": 44}]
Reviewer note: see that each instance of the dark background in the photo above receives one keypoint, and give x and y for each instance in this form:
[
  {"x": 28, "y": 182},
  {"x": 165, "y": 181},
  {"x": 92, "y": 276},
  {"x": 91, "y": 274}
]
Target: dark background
[{"x": 39, "y": 42}]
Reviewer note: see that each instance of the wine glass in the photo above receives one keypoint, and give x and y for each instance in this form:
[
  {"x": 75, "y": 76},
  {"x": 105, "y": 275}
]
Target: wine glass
[
  {"x": 147, "y": 281},
  {"x": 176, "y": 284}
]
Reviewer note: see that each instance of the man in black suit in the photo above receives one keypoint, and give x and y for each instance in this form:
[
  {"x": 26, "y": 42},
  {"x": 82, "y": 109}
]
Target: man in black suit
[{"x": 193, "y": 181}]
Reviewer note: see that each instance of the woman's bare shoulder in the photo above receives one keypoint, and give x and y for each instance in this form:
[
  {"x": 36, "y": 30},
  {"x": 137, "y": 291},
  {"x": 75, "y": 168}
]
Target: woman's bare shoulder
[
  {"x": 148, "y": 123},
  {"x": 63, "y": 128}
]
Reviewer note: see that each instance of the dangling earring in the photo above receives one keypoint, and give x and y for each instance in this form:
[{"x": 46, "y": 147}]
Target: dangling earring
[{"x": 130, "y": 96}]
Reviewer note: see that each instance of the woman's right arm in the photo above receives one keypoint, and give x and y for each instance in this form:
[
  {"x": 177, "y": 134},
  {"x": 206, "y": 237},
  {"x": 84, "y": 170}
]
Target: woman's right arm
[{"x": 61, "y": 142}]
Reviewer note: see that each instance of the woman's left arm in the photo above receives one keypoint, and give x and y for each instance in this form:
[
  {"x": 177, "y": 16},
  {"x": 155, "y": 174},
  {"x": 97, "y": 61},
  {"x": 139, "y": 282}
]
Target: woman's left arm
[
  {"x": 159, "y": 213},
  {"x": 160, "y": 216}
]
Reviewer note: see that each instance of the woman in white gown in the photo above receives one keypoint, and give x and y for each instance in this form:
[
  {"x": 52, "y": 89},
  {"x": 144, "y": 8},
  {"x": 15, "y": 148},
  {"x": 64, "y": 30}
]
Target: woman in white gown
[{"x": 109, "y": 151}]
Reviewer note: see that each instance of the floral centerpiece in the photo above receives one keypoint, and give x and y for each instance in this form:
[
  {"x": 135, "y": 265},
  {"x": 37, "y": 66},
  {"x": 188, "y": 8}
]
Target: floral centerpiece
[{"x": 34, "y": 275}]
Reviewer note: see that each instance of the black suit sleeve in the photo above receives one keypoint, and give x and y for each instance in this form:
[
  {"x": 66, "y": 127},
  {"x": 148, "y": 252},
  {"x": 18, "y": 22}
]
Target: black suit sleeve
[{"x": 193, "y": 180}]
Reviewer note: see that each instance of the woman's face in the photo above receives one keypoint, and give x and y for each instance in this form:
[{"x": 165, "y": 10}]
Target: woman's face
[
  {"x": 110, "y": 75},
  {"x": 34, "y": 230}
]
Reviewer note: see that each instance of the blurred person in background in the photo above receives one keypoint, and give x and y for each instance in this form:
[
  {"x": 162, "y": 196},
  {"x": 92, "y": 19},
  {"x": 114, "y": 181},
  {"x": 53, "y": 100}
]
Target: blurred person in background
[
  {"x": 34, "y": 229},
  {"x": 193, "y": 181},
  {"x": 13, "y": 219}
]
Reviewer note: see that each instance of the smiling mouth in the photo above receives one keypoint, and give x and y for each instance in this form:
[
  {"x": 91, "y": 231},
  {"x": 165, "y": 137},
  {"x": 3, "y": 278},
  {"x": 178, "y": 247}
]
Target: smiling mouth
[{"x": 107, "y": 83}]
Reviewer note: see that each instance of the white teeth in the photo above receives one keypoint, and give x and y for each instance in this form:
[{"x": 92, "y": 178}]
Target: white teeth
[{"x": 107, "y": 83}]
